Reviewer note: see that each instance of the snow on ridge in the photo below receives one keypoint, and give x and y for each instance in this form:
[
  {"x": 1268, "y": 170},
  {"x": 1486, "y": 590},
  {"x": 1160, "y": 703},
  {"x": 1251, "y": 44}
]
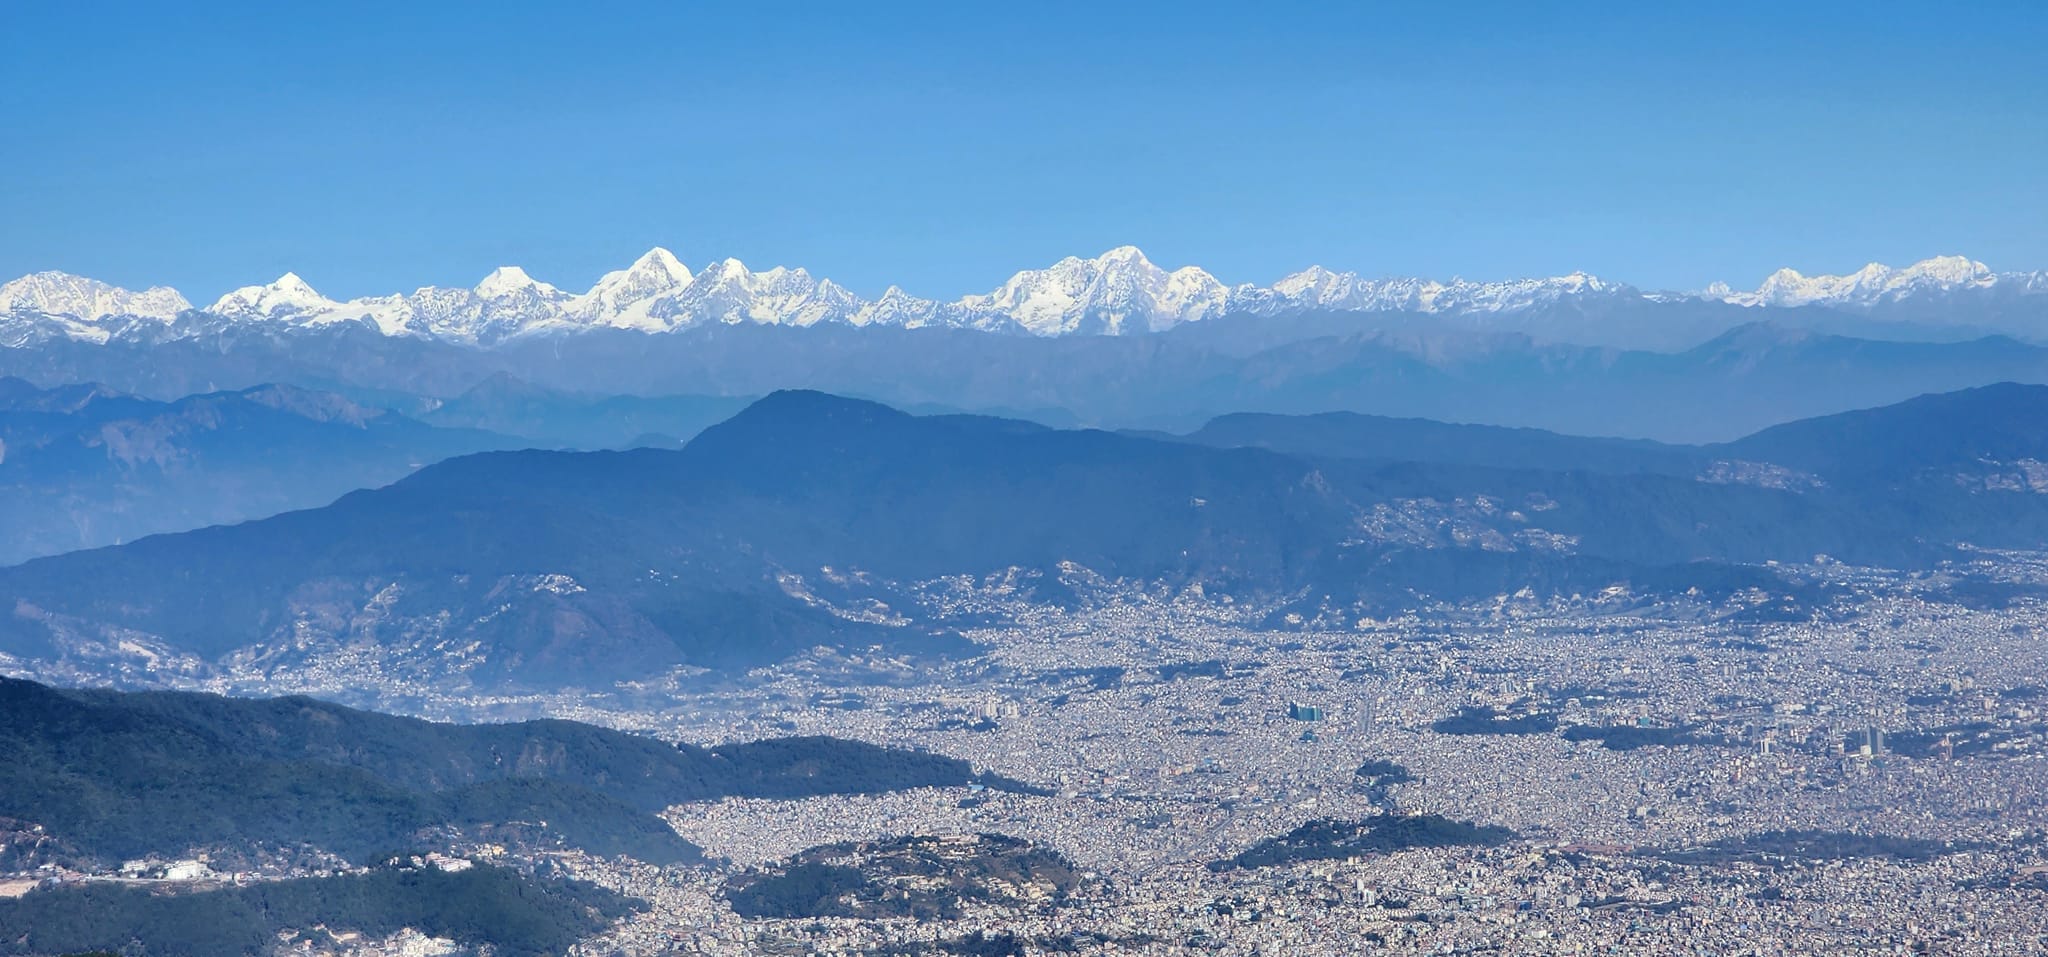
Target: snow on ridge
[
  {"x": 286, "y": 296},
  {"x": 77, "y": 297},
  {"x": 1116, "y": 293},
  {"x": 507, "y": 281},
  {"x": 1877, "y": 283}
]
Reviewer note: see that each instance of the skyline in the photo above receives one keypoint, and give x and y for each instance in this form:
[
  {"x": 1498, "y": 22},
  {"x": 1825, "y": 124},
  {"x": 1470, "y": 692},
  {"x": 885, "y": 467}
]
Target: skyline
[{"x": 942, "y": 150}]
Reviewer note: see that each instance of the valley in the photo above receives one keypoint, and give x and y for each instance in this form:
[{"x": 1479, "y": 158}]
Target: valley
[{"x": 1471, "y": 479}]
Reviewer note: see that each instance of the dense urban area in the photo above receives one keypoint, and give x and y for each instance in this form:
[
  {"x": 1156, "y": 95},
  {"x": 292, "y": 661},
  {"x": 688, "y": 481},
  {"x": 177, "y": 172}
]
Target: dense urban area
[{"x": 1600, "y": 774}]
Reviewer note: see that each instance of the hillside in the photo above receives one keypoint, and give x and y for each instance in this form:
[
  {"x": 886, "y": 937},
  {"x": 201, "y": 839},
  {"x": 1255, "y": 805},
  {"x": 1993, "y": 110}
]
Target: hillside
[
  {"x": 923, "y": 876},
  {"x": 483, "y": 907},
  {"x": 805, "y": 520},
  {"x": 1353, "y": 435},
  {"x": 1959, "y": 438},
  {"x": 114, "y": 775}
]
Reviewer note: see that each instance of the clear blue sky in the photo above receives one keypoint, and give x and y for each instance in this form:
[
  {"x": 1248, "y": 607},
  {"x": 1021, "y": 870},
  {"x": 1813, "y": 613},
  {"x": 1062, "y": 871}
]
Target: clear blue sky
[{"x": 941, "y": 146}]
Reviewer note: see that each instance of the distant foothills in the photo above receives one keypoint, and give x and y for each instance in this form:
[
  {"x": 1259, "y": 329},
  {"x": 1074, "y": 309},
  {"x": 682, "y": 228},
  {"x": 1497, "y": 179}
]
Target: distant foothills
[
  {"x": 358, "y": 809},
  {"x": 808, "y": 521},
  {"x": 110, "y": 776}
]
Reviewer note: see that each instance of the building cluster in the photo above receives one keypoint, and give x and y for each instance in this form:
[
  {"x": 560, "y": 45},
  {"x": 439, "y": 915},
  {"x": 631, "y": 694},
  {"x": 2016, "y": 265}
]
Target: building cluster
[
  {"x": 1649, "y": 758},
  {"x": 1645, "y": 759}
]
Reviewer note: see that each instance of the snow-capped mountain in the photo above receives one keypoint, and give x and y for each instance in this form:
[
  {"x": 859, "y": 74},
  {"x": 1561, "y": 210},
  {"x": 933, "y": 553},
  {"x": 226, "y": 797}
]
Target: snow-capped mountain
[
  {"x": 897, "y": 308},
  {"x": 1120, "y": 292},
  {"x": 1873, "y": 284},
  {"x": 1117, "y": 292},
  {"x": 640, "y": 296},
  {"x": 728, "y": 292},
  {"x": 1321, "y": 289},
  {"x": 657, "y": 293},
  {"x": 287, "y": 297},
  {"x": 62, "y": 294}
]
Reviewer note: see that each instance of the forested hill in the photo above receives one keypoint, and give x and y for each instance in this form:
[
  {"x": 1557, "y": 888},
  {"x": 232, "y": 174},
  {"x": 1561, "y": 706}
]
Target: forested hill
[
  {"x": 558, "y": 569},
  {"x": 118, "y": 775},
  {"x": 483, "y": 907}
]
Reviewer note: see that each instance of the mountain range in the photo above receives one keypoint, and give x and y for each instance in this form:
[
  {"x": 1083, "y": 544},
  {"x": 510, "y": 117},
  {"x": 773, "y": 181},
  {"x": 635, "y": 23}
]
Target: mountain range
[
  {"x": 811, "y": 521},
  {"x": 1120, "y": 292}
]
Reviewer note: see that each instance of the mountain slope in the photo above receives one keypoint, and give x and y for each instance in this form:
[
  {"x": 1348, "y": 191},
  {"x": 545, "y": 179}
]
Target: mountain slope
[
  {"x": 1990, "y": 437},
  {"x": 1351, "y": 435},
  {"x": 611, "y": 565},
  {"x": 1939, "y": 467},
  {"x": 483, "y": 909},
  {"x": 116, "y": 775}
]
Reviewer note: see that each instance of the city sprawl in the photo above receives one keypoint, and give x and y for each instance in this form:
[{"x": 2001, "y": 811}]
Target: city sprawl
[{"x": 1648, "y": 776}]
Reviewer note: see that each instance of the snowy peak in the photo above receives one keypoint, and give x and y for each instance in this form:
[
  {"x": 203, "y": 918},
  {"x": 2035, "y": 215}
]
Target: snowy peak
[
  {"x": 634, "y": 297},
  {"x": 1117, "y": 292},
  {"x": 288, "y": 296},
  {"x": 1873, "y": 284},
  {"x": 63, "y": 294},
  {"x": 728, "y": 292},
  {"x": 660, "y": 260},
  {"x": 899, "y": 309},
  {"x": 1953, "y": 270},
  {"x": 723, "y": 292},
  {"x": 728, "y": 271},
  {"x": 291, "y": 285},
  {"x": 657, "y": 270},
  {"x": 506, "y": 282},
  {"x": 1315, "y": 281}
]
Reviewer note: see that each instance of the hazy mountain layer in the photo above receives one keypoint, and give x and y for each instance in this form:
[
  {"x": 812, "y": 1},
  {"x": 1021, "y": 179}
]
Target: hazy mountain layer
[
  {"x": 85, "y": 466},
  {"x": 811, "y": 520},
  {"x": 556, "y": 419},
  {"x": 1750, "y": 378}
]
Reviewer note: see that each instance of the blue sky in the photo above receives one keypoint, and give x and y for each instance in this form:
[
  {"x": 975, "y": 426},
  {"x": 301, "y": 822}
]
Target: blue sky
[{"x": 942, "y": 146}]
